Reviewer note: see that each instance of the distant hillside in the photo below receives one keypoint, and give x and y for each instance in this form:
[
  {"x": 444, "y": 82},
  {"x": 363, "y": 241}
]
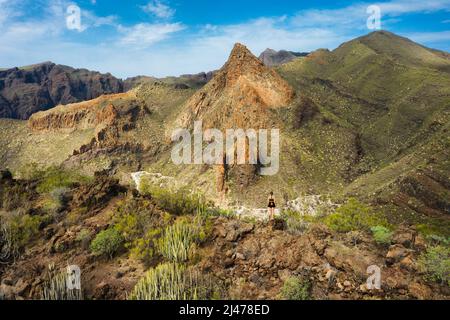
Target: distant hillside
[
  {"x": 185, "y": 81},
  {"x": 272, "y": 58},
  {"x": 394, "y": 95},
  {"x": 26, "y": 90}
]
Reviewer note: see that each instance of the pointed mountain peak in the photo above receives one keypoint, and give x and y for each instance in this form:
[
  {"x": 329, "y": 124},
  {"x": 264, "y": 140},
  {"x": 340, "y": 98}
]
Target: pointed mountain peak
[
  {"x": 268, "y": 50},
  {"x": 241, "y": 56},
  {"x": 239, "y": 94},
  {"x": 241, "y": 62},
  {"x": 239, "y": 50}
]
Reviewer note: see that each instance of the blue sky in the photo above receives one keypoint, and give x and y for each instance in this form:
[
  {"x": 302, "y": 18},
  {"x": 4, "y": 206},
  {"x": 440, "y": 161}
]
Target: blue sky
[{"x": 172, "y": 37}]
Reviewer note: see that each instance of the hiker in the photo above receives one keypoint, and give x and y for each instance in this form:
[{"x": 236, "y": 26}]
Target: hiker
[{"x": 271, "y": 206}]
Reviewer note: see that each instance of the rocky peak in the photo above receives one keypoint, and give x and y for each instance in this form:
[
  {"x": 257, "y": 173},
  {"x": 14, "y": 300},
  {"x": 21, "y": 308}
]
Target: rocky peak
[
  {"x": 240, "y": 53},
  {"x": 238, "y": 94},
  {"x": 241, "y": 61}
]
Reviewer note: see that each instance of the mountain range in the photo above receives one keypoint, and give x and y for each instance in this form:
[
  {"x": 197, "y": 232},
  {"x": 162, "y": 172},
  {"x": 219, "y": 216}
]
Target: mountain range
[
  {"x": 26, "y": 90},
  {"x": 347, "y": 117},
  {"x": 367, "y": 121}
]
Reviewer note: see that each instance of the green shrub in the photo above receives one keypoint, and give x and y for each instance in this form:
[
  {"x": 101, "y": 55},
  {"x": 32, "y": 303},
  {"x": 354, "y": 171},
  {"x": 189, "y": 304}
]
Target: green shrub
[
  {"x": 83, "y": 235},
  {"x": 435, "y": 263},
  {"x": 140, "y": 226},
  {"x": 355, "y": 215},
  {"x": 107, "y": 242},
  {"x": 171, "y": 281},
  {"x": 296, "y": 223},
  {"x": 14, "y": 197},
  {"x": 435, "y": 240},
  {"x": 75, "y": 216},
  {"x": 54, "y": 178},
  {"x": 211, "y": 211},
  {"x": 16, "y": 231},
  {"x": 178, "y": 202},
  {"x": 55, "y": 201},
  {"x": 127, "y": 226},
  {"x": 295, "y": 288},
  {"x": 434, "y": 227},
  {"x": 382, "y": 235},
  {"x": 144, "y": 248}
]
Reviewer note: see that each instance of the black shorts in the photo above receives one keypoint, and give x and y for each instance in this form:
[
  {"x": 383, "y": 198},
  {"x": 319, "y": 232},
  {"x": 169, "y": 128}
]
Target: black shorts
[{"x": 271, "y": 205}]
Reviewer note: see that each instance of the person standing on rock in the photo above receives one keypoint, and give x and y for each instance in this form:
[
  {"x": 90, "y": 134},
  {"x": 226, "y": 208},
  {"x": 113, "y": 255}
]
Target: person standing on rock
[{"x": 271, "y": 206}]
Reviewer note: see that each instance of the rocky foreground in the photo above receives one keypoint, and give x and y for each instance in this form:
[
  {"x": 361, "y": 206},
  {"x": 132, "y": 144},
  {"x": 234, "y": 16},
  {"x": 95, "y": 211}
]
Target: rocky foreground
[{"x": 245, "y": 259}]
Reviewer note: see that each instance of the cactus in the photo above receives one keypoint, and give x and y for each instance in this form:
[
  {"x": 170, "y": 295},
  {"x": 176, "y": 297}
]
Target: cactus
[
  {"x": 177, "y": 242},
  {"x": 172, "y": 281},
  {"x": 55, "y": 288}
]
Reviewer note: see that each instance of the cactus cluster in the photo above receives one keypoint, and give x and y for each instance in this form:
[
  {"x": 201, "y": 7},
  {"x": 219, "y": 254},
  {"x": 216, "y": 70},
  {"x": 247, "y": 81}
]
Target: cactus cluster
[
  {"x": 172, "y": 281},
  {"x": 177, "y": 242},
  {"x": 55, "y": 288}
]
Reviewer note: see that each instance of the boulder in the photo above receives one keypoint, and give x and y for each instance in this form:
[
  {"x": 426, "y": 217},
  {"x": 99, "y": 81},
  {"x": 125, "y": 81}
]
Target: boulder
[
  {"x": 396, "y": 253},
  {"x": 351, "y": 260},
  {"x": 404, "y": 236}
]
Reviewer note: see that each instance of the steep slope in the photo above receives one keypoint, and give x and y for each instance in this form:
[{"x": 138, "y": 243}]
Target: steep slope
[
  {"x": 395, "y": 95},
  {"x": 26, "y": 90},
  {"x": 393, "y": 103}
]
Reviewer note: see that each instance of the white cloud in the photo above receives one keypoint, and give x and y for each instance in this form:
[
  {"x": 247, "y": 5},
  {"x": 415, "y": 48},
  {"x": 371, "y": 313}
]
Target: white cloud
[
  {"x": 398, "y": 7},
  {"x": 9, "y": 10},
  {"x": 159, "y": 9},
  {"x": 90, "y": 20},
  {"x": 267, "y": 32},
  {"x": 355, "y": 16},
  {"x": 143, "y": 35}
]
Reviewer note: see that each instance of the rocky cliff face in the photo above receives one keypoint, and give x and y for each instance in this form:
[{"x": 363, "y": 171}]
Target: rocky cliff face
[
  {"x": 109, "y": 115},
  {"x": 24, "y": 91},
  {"x": 83, "y": 115},
  {"x": 240, "y": 95}
]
